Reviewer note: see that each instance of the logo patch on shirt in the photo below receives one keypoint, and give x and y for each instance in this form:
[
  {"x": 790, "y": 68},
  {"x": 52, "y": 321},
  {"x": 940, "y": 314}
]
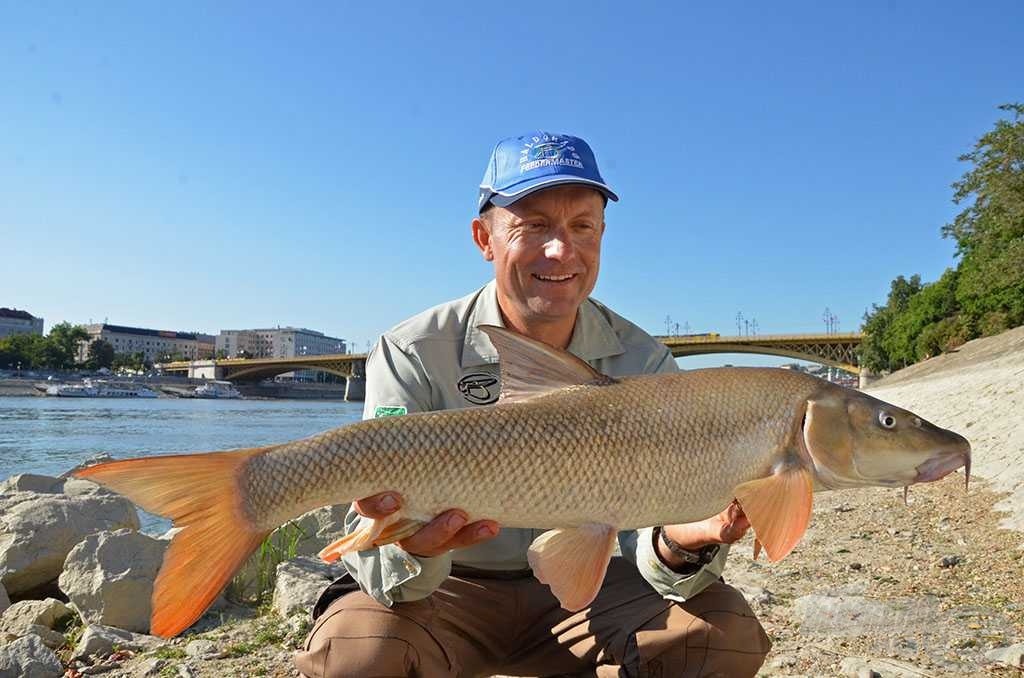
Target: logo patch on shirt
[
  {"x": 479, "y": 388},
  {"x": 388, "y": 411}
]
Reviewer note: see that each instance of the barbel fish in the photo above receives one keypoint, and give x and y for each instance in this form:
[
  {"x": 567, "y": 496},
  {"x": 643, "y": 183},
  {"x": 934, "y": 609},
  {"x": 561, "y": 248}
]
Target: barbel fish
[{"x": 566, "y": 449}]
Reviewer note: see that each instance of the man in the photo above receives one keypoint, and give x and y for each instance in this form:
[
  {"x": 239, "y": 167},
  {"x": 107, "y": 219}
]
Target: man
[{"x": 457, "y": 599}]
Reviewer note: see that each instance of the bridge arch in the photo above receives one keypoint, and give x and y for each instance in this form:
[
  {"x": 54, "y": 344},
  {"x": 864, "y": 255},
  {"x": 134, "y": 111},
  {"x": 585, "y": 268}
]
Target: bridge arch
[
  {"x": 267, "y": 371},
  {"x": 767, "y": 350},
  {"x": 832, "y": 350}
]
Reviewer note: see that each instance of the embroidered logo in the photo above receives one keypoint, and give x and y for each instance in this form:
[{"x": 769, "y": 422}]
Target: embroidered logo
[
  {"x": 546, "y": 150},
  {"x": 479, "y": 388},
  {"x": 388, "y": 411}
]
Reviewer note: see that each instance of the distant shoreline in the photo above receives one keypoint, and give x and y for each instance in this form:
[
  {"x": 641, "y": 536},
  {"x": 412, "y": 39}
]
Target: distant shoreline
[{"x": 34, "y": 388}]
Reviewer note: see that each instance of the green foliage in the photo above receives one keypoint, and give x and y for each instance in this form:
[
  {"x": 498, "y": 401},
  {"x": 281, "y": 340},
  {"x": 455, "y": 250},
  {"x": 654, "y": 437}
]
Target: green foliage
[
  {"x": 57, "y": 350},
  {"x": 984, "y": 294},
  {"x": 170, "y": 652},
  {"x": 989, "y": 232},
  {"x": 268, "y": 631},
  {"x": 62, "y": 344},
  {"x": 171, "y": 356},
  {"x": 254, "y": 583},
  {"x": 101, "y": 354},
  {"x": 133, "y": 362},
  {"x": 875, "y": 351}
]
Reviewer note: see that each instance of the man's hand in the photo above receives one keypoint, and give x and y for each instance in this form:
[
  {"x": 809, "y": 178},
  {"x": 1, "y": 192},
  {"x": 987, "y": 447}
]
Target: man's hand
[
  {"x": 727, "y": 527},
  {"x": 445, "y": 532}
]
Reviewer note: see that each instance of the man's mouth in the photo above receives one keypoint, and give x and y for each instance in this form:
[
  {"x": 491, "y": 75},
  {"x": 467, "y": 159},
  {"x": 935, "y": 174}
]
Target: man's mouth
[{"x": 554, "y": 278}]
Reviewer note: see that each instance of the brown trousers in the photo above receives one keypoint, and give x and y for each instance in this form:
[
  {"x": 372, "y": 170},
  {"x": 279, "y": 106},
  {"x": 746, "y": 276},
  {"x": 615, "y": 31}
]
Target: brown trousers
[{"x": 483, "y": 626}]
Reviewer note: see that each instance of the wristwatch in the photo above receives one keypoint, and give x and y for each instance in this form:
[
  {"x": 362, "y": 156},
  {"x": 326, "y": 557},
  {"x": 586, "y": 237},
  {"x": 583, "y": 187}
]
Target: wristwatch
[{"x": 701, "y": 556}]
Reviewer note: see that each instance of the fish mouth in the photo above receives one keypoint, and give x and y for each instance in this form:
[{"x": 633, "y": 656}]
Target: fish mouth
[{"x": 944, "y": 463}]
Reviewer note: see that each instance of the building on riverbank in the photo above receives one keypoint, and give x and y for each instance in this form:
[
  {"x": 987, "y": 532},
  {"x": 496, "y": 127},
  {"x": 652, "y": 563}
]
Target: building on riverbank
[
  {"x": 155, "y": 345},
  {"x": 13, "y": 321},
  {"x": 206, "y": 346},
  {"x": 279, "y": 342}
]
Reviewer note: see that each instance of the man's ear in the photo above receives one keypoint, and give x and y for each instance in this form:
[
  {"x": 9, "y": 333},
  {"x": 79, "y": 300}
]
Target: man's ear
[{"x": 482, "y": 238}]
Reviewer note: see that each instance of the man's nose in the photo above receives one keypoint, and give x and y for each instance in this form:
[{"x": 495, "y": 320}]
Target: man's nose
[{"x": 559, "y": 246}]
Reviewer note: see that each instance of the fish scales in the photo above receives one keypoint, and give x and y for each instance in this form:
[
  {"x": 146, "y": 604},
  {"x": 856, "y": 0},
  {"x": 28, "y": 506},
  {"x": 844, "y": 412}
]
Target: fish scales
[{"x": 624, "y": 454}]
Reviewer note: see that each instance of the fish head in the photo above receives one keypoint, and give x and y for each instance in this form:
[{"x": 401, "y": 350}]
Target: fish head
[{"x": 855, "y": 440}]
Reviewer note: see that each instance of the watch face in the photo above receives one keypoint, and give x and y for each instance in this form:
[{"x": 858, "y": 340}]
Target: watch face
[{"x": 708, "y": 553}]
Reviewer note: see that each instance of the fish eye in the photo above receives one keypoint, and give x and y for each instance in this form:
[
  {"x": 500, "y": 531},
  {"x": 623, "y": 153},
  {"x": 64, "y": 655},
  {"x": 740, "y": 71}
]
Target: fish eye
[{"x": 886, "y": 419}]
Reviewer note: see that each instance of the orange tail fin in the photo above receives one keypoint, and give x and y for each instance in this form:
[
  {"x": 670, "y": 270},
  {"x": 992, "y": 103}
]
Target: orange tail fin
[{"x": 201, "y": 494}]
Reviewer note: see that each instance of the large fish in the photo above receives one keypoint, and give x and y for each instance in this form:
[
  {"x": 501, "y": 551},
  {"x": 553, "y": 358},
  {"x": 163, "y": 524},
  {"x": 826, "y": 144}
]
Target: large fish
[{"x": 565, "y": 448}]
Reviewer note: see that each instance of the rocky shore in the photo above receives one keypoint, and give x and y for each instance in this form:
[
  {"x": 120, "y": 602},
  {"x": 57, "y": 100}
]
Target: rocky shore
[{"x": 875, "y": 588}]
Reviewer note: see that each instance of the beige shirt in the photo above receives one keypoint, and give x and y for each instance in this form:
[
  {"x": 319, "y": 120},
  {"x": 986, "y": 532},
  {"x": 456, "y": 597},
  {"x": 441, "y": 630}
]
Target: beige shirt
[{"x": 439, "y": 360}]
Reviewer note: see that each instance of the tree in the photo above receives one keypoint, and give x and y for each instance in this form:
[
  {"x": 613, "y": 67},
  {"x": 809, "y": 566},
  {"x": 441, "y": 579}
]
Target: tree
[
  {"x": 132, "y": 362},
  {"x": 876, "y": 349},
  {"x": 989, "y": 231},
  {"x": 984, "y": 294},
  {"x": 27, "y": 350},
  {"x": 62, "y": 345},
  {"x": 101, "y": 354}
]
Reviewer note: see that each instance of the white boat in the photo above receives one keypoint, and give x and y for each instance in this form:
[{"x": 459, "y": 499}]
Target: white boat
[
  {"x": 100, "y": 389},
  {"x": 83, "y": 390},
  {"x": 217, "y": 389}
]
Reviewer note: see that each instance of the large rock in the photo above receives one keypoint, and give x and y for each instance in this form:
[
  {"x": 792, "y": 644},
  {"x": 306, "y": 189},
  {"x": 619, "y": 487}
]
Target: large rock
[
  {"x": 41, "y": 520},
  {"x": 100, "y": 641},
  {"x": 109, "y": 577},
  {"x": 300, "y": 582},
  {"x": 879, "y": 667},
  {"x": 1011, "y": 656},
  {"x": 856, "y": 615},
  {"x": 50, "y": 638},
  {"x": 28, "y": 657},
  {"x": 312, "y": 531},
  {"x": 20, "y": 617},
  {"x": 5, "y": 602}
]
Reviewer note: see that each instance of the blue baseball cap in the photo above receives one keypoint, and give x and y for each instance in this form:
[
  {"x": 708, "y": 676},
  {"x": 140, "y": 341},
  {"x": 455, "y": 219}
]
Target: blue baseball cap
[{"x": 536, "y": 160}]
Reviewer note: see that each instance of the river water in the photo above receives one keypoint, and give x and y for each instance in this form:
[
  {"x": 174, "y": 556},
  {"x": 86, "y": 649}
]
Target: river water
[{"x": 51, "y": 435}]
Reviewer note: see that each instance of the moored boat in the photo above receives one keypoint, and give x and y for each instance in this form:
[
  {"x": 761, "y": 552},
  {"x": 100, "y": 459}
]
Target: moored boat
[
  {"x": 217, "y": 389},
  {"x": 90, "y": 388}
]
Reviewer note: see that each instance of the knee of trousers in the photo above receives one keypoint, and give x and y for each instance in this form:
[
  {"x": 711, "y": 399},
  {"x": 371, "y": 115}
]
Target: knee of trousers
[
  {"x": 358, "y": 641},
  {"x": 717, "y": 636}
]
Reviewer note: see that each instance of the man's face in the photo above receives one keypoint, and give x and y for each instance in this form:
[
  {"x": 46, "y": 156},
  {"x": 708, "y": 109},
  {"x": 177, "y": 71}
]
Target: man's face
[{"x": 546, "y": 250}]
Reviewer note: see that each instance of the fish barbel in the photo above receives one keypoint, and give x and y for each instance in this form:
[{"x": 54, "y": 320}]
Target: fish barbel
[{"x": 566, "y": 448}]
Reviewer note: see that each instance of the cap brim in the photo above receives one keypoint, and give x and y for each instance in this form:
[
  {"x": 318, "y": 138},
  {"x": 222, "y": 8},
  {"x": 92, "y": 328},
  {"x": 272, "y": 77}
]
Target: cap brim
[{"x": 506, "y": 198}]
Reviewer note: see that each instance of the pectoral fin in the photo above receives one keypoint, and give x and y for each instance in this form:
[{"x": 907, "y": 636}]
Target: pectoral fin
[
  {"x": 779, "y": 509},
  {"x": 573, "y": 562}
]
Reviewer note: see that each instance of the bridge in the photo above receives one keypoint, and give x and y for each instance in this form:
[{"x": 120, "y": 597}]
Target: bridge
[
  {"x": 834, "y": 350},
  {"x": 351, "y": 366}
]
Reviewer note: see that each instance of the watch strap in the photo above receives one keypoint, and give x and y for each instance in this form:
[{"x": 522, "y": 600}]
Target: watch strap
[{"x": 701, "y": 556}]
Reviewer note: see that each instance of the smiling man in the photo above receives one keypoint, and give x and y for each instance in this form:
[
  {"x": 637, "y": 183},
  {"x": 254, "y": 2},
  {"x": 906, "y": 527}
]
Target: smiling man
[{"x": 458, "y": 599}]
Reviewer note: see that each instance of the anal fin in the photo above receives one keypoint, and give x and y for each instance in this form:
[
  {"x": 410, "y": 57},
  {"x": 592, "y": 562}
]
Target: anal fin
[
  {"x": 573, "y": 562},
  {"x": 779, "y": 509},
  {"x": 371, "y": 533}
]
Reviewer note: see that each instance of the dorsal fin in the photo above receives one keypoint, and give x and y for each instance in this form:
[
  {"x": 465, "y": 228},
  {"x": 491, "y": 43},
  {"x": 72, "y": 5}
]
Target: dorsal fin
[{"x": 531, "y": 368}]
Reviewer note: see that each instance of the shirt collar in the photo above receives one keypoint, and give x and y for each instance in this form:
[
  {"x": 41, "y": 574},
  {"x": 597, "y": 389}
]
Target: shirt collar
[{"x": 592, "y": 337}]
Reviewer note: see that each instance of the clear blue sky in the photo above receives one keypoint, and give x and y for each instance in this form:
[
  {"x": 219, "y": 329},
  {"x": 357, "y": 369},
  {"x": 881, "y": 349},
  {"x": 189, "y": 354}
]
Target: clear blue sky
[{"x": 196, "y": 167}]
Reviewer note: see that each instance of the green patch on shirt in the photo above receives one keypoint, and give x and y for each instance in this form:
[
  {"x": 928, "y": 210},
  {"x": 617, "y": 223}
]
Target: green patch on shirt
[{"x": 388, "y": 411}]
